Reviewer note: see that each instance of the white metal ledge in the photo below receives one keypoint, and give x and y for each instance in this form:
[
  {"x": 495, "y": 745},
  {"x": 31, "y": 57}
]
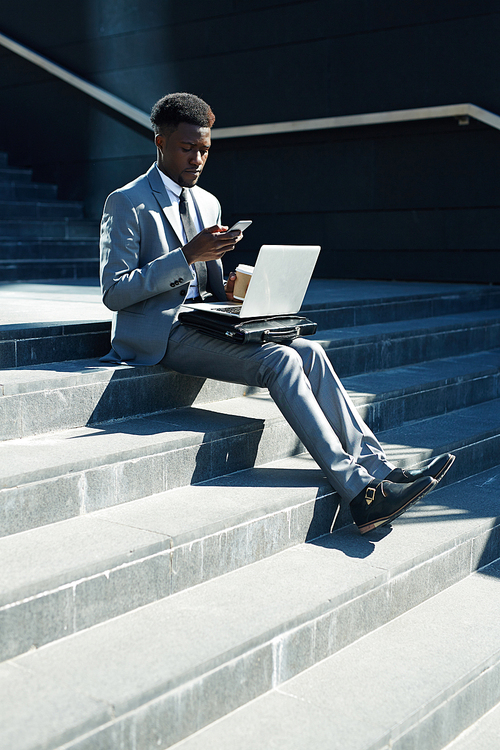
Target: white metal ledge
[
  {"x": 272, "y": 128},
  {"x": 371, "y": 118}
]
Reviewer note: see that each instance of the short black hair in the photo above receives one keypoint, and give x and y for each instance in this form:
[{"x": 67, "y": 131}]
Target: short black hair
[{"x": 171, "y": 110}]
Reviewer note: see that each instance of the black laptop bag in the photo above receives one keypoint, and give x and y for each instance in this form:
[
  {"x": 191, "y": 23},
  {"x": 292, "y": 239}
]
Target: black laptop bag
[{"x": 275, "y": 329}]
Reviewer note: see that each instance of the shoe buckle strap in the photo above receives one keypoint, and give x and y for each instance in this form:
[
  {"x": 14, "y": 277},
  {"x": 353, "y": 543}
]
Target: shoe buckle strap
[{"x": 370, "y": 495}]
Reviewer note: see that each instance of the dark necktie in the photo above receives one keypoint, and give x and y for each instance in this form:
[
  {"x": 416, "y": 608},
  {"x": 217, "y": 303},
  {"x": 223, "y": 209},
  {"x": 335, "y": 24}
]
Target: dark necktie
[{"x": 191, "y": 231}]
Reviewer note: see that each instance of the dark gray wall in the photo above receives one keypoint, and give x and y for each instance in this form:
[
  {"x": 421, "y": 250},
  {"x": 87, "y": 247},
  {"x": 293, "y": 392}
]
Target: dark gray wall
[{"x": 414, "y": 200}]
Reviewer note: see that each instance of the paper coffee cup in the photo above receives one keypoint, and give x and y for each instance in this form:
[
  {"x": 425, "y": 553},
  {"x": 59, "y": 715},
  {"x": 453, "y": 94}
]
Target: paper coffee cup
[{"x": 243, "y": 276}]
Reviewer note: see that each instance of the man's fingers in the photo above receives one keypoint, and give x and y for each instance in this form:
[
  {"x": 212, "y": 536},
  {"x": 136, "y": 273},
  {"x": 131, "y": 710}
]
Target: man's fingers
[
  {"x": 230, "y": 286},
  {"x": 229, "y": 238},
  {"x": 235, "y": 235},
  {"x": 217, "y": 239},
  {"x": 215, "y": 229},
  {"x": 210, "y": 244}
]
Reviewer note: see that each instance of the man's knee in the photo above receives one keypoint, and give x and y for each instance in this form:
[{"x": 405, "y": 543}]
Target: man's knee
[
  {"x": 306, "y": 346},
  {"x": 281, "y": 361},
  {"x": 310, "y": 353}
]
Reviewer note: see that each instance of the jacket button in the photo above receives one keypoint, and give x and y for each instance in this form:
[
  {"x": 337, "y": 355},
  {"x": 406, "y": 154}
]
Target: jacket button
[
  {"x": 183, "y": 292},
  {"x": 172, "y": 284},
  {"x": 181, "y": 279}
]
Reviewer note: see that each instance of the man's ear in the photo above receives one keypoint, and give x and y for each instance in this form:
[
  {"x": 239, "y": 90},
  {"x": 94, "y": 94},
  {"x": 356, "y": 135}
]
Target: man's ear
[{"x": 160, "y": 142}]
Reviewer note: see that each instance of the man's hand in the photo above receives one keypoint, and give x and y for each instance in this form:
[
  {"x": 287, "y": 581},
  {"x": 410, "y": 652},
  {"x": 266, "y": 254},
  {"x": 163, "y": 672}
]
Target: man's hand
[
  {"x": 211, "y": 244},
  {"x": 230, "y": 286}
]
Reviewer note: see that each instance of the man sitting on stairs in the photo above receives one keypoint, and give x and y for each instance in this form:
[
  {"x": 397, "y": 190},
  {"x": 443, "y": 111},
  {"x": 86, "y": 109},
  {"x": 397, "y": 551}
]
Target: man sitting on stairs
[{"x": 162, "y": 241}]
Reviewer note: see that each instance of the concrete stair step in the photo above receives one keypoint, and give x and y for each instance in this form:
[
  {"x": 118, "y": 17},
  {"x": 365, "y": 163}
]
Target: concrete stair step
[
  {"x": 14, "y": 190},
  {"x": 29, "y": 250},
  {"x": 46, "y": 209},
  {"x": 380, "y": 346},
  {"x": 388, "y": 398},
  {"x": 13, "y": 174},
  {"x": 67, "y": 576},
  {"x": 484, "y": 734},
  {"x": 445, "y": 680},
  {"x": 165, "y": 670},
  {"x": 472, "y": 434},
  {"x": 47, "y": 228},
  {"x": 136, "y": 538},
  {"x": 340, "y": 303},
  {"x": 344, "y": 308},
  {"x": 56, "y": 476},
  {"x": 49, "y": 478},
  {"x": 27, "y": 344},
  {"x": 39, "y": 399},
  {"x": 44, "y": 269}
]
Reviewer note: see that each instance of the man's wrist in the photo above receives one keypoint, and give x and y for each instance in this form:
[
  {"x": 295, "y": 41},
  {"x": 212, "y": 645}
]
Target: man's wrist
[{"x": 186, "y": 258}]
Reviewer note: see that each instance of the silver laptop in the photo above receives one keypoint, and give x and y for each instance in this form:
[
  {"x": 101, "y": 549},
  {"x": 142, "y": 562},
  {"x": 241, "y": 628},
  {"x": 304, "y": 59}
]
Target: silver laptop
[{"x": 278, "y": 284}]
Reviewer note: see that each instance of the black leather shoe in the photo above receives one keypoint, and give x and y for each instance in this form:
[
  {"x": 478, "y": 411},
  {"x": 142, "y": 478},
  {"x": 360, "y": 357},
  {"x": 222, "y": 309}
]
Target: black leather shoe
[
  {"x": 436, "y": 468},
  {"x": 381, "y": 502}
]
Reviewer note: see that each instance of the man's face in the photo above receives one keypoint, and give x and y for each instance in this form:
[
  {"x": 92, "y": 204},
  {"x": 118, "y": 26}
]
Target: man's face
[{"x": 183, "y": 153}]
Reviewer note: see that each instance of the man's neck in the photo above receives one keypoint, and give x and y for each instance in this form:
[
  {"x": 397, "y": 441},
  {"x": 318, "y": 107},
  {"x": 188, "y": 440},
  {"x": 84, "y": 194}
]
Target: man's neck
[{"x": 174, "y": 187}]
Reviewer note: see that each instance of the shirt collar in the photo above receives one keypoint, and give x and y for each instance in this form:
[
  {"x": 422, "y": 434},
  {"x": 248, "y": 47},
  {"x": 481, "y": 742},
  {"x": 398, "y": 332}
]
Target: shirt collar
[{"x": 171, "y": 186}]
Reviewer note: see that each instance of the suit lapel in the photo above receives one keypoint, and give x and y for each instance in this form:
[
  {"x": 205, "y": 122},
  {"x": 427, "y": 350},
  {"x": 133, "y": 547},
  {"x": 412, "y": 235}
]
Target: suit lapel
[
  {"x": 161, "y": 196},
  {"x": 214, "y": 267}
]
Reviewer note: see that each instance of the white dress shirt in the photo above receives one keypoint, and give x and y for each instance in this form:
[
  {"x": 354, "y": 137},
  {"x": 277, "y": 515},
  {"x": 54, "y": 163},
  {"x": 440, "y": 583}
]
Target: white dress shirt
[{"x": 174, "y": 193}]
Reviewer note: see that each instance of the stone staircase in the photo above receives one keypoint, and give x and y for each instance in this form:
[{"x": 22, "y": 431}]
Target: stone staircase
[
  {"x": 176, "y": 572},
  {"x": 42, "y": 237}
]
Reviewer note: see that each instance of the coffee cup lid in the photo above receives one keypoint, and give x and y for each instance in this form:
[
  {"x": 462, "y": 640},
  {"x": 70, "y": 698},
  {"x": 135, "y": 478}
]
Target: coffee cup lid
[{"x": 244, "y": 269}]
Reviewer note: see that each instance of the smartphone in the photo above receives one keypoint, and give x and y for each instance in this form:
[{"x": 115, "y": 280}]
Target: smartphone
[{"x": 241, "y": 225}]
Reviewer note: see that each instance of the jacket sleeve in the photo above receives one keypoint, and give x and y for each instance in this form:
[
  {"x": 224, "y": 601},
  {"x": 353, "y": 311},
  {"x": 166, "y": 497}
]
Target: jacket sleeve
[{"x": 126, "y": 278}]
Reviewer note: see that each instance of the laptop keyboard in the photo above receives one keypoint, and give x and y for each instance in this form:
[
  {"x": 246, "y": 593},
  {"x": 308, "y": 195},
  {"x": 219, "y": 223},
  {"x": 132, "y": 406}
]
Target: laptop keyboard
[{"x": 234, "y": 310}]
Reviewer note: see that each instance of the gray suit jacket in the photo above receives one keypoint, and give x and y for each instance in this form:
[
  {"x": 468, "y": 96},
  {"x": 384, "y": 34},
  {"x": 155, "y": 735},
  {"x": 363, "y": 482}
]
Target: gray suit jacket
[{"x": 144, "y": 274}]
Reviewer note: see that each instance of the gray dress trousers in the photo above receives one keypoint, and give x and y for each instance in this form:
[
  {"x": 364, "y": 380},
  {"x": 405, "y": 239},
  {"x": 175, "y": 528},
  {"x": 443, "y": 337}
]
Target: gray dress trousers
[{"x": 306, "y": 389}]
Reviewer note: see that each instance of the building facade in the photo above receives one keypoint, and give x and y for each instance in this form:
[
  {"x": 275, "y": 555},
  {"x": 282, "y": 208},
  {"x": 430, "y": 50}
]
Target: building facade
[{"x": 405, "y": 200}]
